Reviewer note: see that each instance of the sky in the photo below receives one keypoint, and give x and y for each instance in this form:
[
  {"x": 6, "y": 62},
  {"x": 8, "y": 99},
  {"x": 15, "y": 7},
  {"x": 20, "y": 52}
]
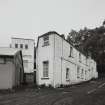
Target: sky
[{"x": 31, "y": 18}]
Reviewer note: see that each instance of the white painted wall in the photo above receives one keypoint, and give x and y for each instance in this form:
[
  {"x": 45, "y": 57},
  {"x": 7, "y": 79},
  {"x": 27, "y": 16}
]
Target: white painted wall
[
  {"x": 57, "y": 53},
  {"x": 6, "y": 75},
  {"x": 45, "y": 53}
]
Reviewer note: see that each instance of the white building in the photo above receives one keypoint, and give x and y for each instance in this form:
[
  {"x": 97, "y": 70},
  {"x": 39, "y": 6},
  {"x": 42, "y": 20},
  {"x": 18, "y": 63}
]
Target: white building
[
  {"x": 11, "y": 68},
  {"x": 58, "y": 62},
  {"x": 27, "y": 47}
]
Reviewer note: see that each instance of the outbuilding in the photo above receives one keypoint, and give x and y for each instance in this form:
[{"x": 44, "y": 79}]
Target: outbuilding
[{"x": 11, "y": 68}]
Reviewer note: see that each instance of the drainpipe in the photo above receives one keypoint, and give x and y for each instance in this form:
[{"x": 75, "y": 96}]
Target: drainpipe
[{"x": 54, "y": 61}]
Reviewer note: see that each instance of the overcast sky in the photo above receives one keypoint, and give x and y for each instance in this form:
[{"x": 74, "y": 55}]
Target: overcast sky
[{"x": 30, "y": 18}]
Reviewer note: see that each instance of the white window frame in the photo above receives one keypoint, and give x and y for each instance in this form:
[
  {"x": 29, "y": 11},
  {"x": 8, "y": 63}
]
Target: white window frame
[
  {"x": 80, "y": 59},
  {"x": 78, "y": 72},
  {"x": 16, "y": 45},
  {"x": 26, "y": 46},
  {"x": 45, "y": 69},
  {"x": 82, "y": 73},
  {"x": 21, "y": 46},
  {"x": 46, "y": 40},
  {"x": 71, "y": 51},
  {"x": 67, "y": 73}
]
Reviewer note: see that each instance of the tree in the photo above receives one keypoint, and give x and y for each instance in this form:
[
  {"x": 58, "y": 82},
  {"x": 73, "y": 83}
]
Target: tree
[
  {"x": 92, "y": 41},
  {"x": 103, "y": 23},
  {"x": 71, "y": 38}
]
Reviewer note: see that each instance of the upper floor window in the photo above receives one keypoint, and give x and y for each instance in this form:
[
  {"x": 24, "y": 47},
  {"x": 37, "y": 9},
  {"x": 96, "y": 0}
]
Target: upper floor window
[
  {"x": 45, "y": 69},
  {"x": 16, "y": 45},
  {"x": 67, "y": 73},
  {"x": 86, "y": 61},
  {"x": 21, "y": 45},
  {"x": 71, "y": 51},
  {"x": 79, "y": 57},
  {"x": 26, "y": 46},
  {"x": 46, "y": 40}
]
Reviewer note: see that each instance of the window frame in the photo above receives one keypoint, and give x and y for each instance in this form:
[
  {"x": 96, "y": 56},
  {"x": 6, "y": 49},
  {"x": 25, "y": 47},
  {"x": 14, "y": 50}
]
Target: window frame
[
  {"x": 80, "y": 59},
  {"x": 16, "y": 45},
  {"x": 78, "y": 72},
  {"x": 67, "y": 73},
  {"x": 46, "y": 40},
  {"x": 71, "y": 51},
  {"x": 46, "y": 69},
  {"x": 82, "y": 73},
  {"x": 21, "y": 46},
  {"x": 26, "y": 46}
]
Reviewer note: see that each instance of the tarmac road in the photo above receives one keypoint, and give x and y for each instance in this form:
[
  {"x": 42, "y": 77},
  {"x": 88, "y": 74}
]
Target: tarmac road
[{"x": 89, "y": 93}]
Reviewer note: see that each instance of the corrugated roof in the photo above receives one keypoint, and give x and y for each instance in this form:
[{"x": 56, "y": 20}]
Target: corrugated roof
[{"x": 8, "y": 51}]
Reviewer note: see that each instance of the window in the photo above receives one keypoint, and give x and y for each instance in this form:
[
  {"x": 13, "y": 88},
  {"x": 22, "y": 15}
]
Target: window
[
  {"x": 85, "y": 72},
  {"x": 21, "y": 45},
  {"x": 78, "y": 70},
  {"x": 86, "y": 61},
  {"x": 46, "y": 40},
  {"x": 82, "y": 73},
  {"x": 16, "y": 45},
  {"x": 45, "y": 69},
  {"x": 71, "y": 51},
  {"x": 26, "y": 46},
  {"x": 67, "y": 73},
  {"x": 79, "y": 57}
]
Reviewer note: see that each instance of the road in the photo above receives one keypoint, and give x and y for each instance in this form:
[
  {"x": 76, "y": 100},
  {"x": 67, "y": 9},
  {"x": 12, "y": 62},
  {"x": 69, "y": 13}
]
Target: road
[{"x": 89, "y": 93}]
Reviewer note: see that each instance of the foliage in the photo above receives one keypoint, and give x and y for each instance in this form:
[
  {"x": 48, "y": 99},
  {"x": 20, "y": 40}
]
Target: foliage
[{"x": 90, "y": 41}]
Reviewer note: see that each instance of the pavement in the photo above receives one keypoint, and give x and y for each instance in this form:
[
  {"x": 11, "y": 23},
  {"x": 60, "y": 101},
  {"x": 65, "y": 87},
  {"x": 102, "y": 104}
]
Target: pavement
[{"x": 89, "y": 93}]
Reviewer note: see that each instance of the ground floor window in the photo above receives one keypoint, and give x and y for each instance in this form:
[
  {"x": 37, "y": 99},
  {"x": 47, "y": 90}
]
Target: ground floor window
[
  {"x": 82, "y": 73},
  {"x": 67, "y": 73},
  {"x": 45, "y": 68},
  {"x": 78, "y": 71}
]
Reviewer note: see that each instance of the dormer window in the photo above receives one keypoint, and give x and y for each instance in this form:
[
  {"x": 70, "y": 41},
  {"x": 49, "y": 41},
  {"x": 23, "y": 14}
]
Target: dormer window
[
  {"x": 71, "y": 51},
  {"x": 46, "y": 40}
]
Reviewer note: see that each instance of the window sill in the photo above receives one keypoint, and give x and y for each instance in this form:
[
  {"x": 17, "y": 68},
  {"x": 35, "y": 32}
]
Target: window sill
[{"x": 45, "y": 78}]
